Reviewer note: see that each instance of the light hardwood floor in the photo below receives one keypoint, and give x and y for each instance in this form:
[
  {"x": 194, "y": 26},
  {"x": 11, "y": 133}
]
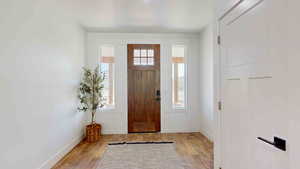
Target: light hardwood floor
[{"x": 195, "y": 149}]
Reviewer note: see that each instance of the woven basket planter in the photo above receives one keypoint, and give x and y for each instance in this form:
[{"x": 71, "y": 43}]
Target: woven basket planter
[{"x": 93, "y": 133}]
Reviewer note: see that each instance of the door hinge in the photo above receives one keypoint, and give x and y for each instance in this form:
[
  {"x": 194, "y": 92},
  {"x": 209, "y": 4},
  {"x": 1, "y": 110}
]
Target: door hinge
[
  {"x": 219, "y": 40},
  {"x": 220, "y": 105}
]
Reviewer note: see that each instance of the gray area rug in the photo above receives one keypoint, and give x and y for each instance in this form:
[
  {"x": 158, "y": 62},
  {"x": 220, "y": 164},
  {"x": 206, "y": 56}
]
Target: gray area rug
[{"x": 141, "y": 156}]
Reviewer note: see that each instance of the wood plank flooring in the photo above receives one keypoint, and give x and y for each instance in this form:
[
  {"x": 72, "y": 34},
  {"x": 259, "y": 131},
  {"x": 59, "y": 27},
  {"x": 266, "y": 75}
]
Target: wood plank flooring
[{"x": 195, "y": 149}]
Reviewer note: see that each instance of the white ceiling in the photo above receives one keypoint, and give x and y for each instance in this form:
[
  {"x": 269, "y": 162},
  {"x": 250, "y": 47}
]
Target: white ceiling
[{"x": 145, "y": 15}]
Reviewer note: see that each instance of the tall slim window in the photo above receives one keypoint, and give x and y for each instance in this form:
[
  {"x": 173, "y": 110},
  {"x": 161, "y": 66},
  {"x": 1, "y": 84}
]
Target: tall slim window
[
  {"x": 107, "y": 63},
  {"x": 178, "y": 76}
]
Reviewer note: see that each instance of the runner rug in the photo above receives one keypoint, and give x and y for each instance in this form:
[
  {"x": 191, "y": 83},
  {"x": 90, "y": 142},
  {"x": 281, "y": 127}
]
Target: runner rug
[{"x": 141, "y": 155}]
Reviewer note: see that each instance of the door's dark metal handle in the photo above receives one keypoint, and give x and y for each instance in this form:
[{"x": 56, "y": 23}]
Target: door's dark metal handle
[
  {"x": 157, "y": 92},
  {"x": 157, "y": 95},
  {"x": 278, "y": 142}
]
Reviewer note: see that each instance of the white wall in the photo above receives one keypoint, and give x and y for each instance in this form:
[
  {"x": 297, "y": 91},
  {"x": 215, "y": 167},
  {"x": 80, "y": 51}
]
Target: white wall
[
  {"x": 206, "y": 78},
  {"x": 41, "y": 55},
  {"x": 115, "y": 121}
]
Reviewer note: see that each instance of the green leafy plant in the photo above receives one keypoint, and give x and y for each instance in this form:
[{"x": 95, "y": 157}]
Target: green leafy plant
[{"x": 90, "y": 91}]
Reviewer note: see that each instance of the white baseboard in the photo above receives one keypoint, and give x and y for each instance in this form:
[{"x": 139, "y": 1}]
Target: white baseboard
[
  {"x": 162, "y": 131},
  {"x": 178, "y": 131},
  {"x": 207, "y": 135},
  {"x": 114, "y": 132},
  {"x": 60, "y": 154}
]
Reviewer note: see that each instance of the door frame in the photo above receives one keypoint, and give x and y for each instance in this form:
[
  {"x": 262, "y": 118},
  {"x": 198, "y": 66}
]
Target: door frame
[
  {"x": 160, "y": 76},
  {"x": 217, "y": 68},
  {"x": 217, "y": 94}
]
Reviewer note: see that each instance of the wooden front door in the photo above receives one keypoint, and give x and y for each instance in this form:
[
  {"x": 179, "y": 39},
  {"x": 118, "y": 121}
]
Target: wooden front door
[{"x": 143, "y": 88}]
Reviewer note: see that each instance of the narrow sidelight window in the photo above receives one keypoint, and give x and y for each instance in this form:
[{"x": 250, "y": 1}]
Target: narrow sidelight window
[
  {"x": 107, "y": 66},
  {"x": 178, "y": 76}
]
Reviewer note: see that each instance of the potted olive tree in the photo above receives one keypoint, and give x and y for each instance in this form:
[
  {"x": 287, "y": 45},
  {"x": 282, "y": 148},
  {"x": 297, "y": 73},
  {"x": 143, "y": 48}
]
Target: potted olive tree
[{"x": 91, "y": 98}]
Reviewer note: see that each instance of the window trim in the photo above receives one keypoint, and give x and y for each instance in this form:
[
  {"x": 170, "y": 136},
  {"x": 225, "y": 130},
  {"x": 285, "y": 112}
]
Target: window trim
[
  {"x": 110, "y": 60},
  {"x": 180, "y": 60}
]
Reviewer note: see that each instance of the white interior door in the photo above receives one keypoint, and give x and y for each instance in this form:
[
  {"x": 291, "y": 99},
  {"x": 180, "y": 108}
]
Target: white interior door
[{"x": 254, "y": 85}]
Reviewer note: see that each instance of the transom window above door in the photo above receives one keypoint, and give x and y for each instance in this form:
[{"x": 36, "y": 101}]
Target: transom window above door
[{"x": 143, "y": 57}]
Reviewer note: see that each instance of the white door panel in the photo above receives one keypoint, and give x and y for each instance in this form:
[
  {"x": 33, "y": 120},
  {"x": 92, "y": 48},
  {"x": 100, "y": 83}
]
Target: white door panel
[
  {"x": 268, "y": 105},
  {"x": 234, "y": 136},
  {"x": 254, "y": 85},
  {"x": 247, "y": 45}
]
